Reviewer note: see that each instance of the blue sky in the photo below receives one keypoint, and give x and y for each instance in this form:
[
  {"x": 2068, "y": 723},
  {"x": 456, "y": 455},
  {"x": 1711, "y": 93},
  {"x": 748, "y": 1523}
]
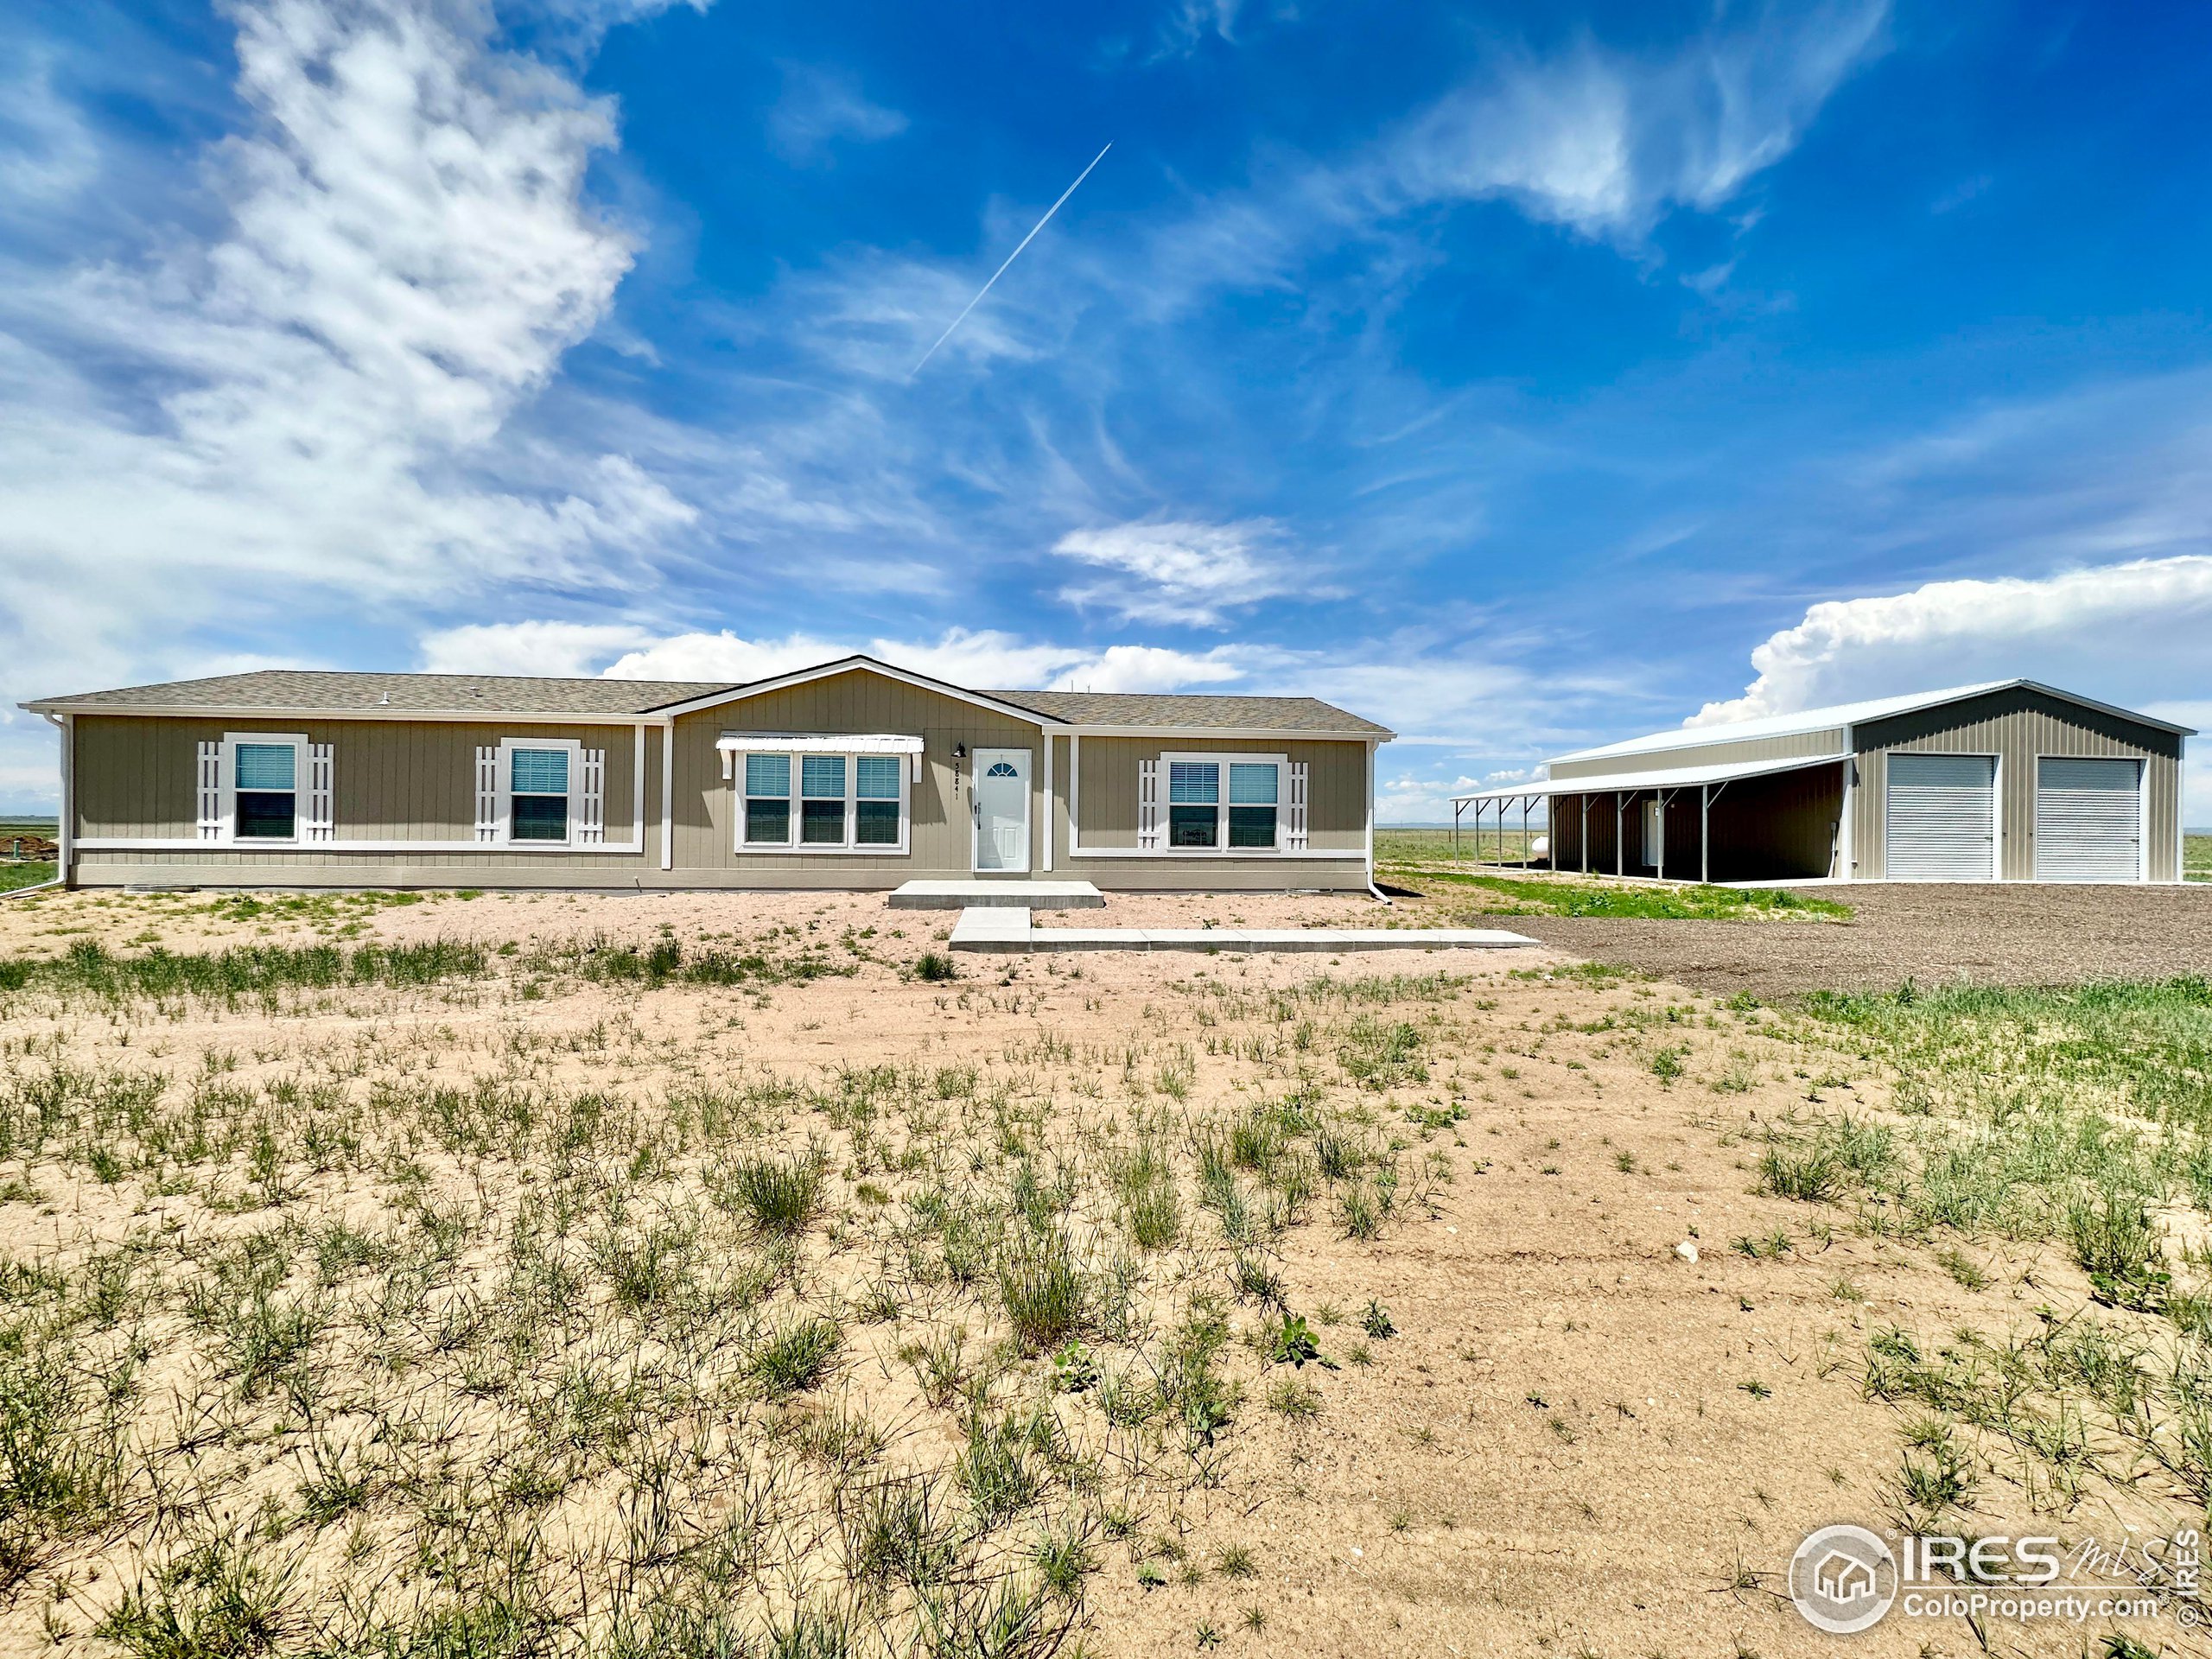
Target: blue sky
[{"x": 1522, "y": 377}]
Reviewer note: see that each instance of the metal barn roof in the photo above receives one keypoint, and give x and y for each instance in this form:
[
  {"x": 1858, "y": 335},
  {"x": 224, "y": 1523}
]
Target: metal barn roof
[
  {"x": 1657, "y": 778},
  {"x": 1846, "y": 713}
]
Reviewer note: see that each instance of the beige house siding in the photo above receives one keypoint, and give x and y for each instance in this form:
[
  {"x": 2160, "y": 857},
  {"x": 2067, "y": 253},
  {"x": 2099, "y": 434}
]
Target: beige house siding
[
  {"x": 1106, "y": 797},
  {"x": 390, "y": 780},
  {"x": 1336, "y": 810},
  {"x": 1796, "y": 745},
  {"x": 941, "y": 841},
  {"x": 2017, "y": 726}
]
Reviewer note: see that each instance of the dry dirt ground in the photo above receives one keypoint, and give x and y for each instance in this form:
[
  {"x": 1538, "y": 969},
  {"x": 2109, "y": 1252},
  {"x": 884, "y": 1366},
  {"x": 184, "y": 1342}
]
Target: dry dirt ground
[
  {"x": 1574, "y": 1440},
  {"x": 2011, "y": 934}
]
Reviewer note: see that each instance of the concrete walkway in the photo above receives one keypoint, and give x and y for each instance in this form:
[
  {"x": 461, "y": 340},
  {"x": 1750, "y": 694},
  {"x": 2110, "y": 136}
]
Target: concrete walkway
[
  {"x": 1008, "y": 932},
  {"x": 1024, "y": 895}
]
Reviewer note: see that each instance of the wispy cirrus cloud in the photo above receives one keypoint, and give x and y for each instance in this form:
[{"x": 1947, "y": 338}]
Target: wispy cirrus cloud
[
  {"x": 577, "y": 27},
  {"x": 820, "y": 108},
  {"x": 1187, "y": 23},
  {"x": 46, "y": 148},
  {"x": 1606, "y": 142},
  {"x": 1186, "y": 572},
  {"x": 1600, "y": 141}
]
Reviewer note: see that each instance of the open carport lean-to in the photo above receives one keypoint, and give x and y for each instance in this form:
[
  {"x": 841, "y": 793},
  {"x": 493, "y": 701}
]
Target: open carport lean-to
[{"x": 1664, "y": 785}]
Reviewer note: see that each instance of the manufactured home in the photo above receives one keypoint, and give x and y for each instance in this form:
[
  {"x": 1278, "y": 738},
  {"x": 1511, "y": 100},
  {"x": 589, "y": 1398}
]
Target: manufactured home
[
  {"x": 852, "y": 774},
  {"x": 2009, "y": 781}
]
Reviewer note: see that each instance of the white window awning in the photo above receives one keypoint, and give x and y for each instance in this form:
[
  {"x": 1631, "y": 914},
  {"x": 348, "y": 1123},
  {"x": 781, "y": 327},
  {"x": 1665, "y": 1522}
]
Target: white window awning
[
  {"x": 733, "y": 744},
  {"x": 815, "y": 743},
  {"x": 1655, "y": 778}
]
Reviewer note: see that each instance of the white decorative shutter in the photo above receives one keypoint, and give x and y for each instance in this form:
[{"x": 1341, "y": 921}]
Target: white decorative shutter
[
  {"x": 591, "y": 827},
  {"x": 211, "y": 791},
  {"x": 1294, "y": 838},
  {"x": 1148, "y": 805},
  {"x": 487, "y": 794},
  {"x": 320, "y": 817}
]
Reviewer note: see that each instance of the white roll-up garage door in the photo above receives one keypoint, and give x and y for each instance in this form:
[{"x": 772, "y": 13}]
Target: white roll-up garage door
[
  {"x": 1942, "y": 817},
  {"x": 2089, "y": 820}
]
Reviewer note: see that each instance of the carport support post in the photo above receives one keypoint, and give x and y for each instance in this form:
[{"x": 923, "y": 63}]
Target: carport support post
[
  {"x": 1620, "y": 841},
  {"x": 1457, "y": 807},
  {"x": 1584, "y": 799},
  {"x": 1705, "y": 833},
  {"x": 1524, "y": 835}
]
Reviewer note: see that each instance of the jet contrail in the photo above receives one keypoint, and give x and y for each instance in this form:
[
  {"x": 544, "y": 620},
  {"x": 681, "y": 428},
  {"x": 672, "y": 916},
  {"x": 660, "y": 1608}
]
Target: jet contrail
[{"x": 1010, "y": 258}]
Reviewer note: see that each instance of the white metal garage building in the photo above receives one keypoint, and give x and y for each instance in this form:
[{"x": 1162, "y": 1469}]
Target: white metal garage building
[{"x": 2012, "y": 781}]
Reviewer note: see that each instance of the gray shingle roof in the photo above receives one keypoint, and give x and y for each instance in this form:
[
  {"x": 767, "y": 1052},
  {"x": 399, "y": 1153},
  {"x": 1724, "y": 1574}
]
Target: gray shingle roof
[
  {"x": 306, "y": 691},
  {"x": 1191, "y": 709},
  {"x": 310, "y": 690}
]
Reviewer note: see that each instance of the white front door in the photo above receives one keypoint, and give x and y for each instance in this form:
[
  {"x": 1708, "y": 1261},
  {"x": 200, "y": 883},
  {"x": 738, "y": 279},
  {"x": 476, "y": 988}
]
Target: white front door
[{"x": 1002, "y": 809}]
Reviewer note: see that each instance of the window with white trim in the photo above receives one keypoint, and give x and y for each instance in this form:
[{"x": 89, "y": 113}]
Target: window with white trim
[
  {"x": 541, "y": 792},
  {"x": 822, "y": 800},
  {"x": 271, "y": 788},
  {"x": 1255, "y": 793},
  {"x": 817, "y": 803},
  {"x": 767, "y": 800},
  {"x": 1227, "y": 803},
  {"x": 265, "y": 782},
  {"x": 537, "y": 793},
  {"x": 1193, "y": 803},
  {"x": 879, "y": 787}
]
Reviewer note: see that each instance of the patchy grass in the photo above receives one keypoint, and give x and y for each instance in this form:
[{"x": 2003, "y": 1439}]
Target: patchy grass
[
  {"x": 493, "y": 1345},
  {"x": 2197, "y": 857},
  {"x": 2142, "y": 1046},
  {"x": 1567, "y": 895},
  {"x": 1411, "y": 845},
  {"x": 28, "y": 873},
  {"x": 89, "y": 969},
  {"x": 2078, "y": 1121}
]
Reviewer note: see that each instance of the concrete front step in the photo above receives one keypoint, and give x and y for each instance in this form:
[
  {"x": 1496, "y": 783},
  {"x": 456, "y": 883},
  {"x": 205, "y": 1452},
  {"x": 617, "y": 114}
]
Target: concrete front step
[
  {"x": 1022, "y": 895},
  {"x": 1010, "y": 933}
]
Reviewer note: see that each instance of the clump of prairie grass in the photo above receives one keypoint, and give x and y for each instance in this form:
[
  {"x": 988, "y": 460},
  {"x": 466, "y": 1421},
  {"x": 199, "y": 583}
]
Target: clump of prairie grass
[{"x": 779, "y": 1194}]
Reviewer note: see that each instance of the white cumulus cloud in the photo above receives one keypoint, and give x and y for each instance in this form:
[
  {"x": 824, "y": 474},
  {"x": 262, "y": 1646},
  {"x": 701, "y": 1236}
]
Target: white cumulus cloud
[
  {"x": 569, "y": 648},
  {"x": 972, "y": 657},
  {"x": 2132, "y": 633},
  {"x": 310, "y": 411}
]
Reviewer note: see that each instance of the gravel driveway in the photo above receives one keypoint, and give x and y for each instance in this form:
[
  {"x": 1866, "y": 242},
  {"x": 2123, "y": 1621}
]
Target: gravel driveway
[{"x": 2000, "y": 934}]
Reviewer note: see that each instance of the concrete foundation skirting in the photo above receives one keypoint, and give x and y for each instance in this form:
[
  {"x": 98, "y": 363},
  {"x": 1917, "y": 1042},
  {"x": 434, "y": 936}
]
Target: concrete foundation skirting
[
  {"x": 1005, "y": 931},
  {"x": 1019, "y": 895}
]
